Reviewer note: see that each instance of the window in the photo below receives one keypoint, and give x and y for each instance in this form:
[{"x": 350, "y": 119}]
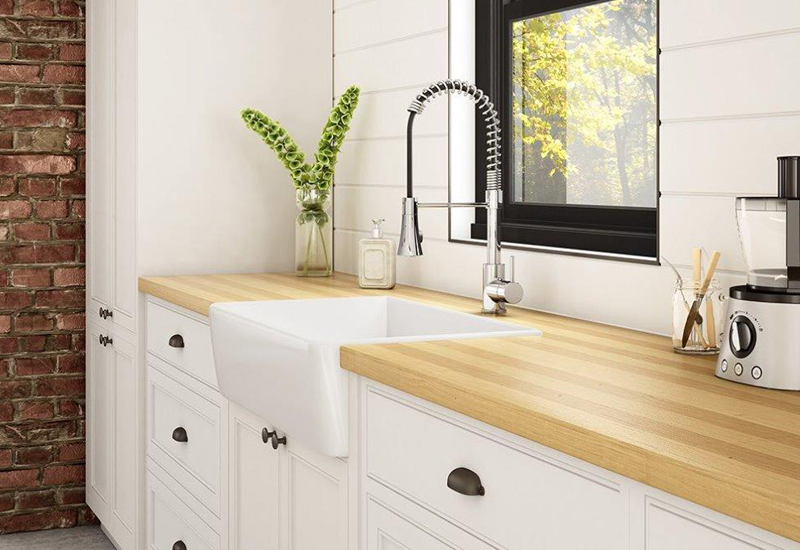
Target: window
[{"x": 576, "y": 83}]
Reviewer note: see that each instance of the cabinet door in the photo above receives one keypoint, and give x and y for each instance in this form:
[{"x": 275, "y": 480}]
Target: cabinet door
[
  {"x": 387, "y": 530},
  {"x": 254, "y": 485},
  {"x": 99, "y": 416},
  {"x": 315, "y": 500},
  {"x": 111, "y": 170},
  {"x": 111, "y": 432}
]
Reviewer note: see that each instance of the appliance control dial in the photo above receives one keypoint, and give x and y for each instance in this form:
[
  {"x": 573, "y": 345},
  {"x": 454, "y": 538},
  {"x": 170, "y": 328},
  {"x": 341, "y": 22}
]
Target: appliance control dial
[{"x": 742, "y": 336}]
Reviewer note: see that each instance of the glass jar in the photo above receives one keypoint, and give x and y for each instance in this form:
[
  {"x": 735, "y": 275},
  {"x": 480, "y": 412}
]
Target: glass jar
[
  {"x": 313, "y": 233},
  {"x": 709, "y": 328}
]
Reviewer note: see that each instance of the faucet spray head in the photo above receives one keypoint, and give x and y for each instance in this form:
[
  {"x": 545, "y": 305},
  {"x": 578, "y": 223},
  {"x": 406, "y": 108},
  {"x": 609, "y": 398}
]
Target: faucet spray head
[{"x": 410, "y": 236}]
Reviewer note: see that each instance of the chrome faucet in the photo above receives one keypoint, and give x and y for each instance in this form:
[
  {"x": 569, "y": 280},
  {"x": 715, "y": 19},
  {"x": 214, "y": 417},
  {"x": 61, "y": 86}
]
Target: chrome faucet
[{"x": 497, "y": 290}]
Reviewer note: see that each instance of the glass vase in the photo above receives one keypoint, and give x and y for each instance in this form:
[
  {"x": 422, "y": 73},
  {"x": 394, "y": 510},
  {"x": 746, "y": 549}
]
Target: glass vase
[
  {"x": 313, "y": 234},
  {"x": 708, "y": 331}
]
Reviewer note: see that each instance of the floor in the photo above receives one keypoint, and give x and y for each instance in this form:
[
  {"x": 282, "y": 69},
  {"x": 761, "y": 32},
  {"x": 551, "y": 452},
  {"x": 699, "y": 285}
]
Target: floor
[{"x": 77, "y": 538}]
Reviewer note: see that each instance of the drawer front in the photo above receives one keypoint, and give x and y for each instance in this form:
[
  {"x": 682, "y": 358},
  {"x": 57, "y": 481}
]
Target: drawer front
[
  {"x": 168, "y": 330},
  {"x": 170, "y": 521},
  {"x": 184, "y": 437},
  {"x": 529, "y": 501}
]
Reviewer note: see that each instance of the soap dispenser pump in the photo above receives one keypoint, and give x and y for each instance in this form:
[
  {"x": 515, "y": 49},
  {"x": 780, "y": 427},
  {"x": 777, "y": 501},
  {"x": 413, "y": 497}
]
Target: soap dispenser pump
[{"x": 376, "y": 263}]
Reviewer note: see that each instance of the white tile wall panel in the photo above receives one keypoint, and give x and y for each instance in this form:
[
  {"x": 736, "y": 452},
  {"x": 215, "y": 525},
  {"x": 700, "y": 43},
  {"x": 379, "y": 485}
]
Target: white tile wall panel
[
  {"x": 379, "y": 21},
  {"x": 685, "y": 22},
  {"x": 357, "y": 206},
  {"x": 383, "y": 162},
  {"x": 708, "y": 221},
  {"x": 730, "y": 156},
  {"x": 419, "y": 60},
  {"x": 384, "y": 114},
  {"x": 731, "y": 79},
  {"x": 346, "y": 4}
]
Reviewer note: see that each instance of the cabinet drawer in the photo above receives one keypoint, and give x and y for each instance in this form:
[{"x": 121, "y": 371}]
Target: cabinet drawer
[
  {"x": 530, "y": 501},
  {"x": 166, "y": 326},
  {"x": 169, "y": 521},
  {"x": 175, "y": 413}
]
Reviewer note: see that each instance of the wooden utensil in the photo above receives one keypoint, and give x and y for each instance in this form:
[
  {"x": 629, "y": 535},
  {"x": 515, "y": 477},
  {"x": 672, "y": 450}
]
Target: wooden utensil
[{"x": 701, "y": 292}]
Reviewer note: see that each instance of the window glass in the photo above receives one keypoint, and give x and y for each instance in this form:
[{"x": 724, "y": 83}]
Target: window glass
[{"x": 583, "y": 106}]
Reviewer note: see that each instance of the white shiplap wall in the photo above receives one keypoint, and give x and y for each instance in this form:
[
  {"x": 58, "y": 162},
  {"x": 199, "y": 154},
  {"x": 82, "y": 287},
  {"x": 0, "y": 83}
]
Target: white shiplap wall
[{"x": 729, "y": 106}]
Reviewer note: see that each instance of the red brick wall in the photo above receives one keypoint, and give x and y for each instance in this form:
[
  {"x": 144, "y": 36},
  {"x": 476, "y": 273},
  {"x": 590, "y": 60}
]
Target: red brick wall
[{"x": 42, "y": 139}]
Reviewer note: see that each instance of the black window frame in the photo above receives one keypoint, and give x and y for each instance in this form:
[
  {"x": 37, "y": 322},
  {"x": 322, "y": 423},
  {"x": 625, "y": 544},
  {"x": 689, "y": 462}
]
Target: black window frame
[{"x": 616, "y": 232}]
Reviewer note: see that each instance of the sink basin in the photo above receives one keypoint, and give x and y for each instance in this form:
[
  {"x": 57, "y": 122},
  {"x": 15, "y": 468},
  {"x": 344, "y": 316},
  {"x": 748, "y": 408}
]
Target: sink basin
[{"x": 280, "y": 359}]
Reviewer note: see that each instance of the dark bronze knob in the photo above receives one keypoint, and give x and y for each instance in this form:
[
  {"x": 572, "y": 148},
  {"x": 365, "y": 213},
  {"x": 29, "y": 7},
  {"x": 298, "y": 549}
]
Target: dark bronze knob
[
  {"x": 105, "y": 340},
  {"x": 179, "y": 545},
  {"x": 106, "y": 313},
  {"x": 466, "y": 482},
  {"x": 266, "y": 435},
  {"x": 176, "y": 341},
  {"x": 179, "y": 434}
]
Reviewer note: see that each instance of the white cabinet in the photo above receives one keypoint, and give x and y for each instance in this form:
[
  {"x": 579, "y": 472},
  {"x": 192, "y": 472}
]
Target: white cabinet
[
  {"x": 284, "y": 498},
  {"x": 110, "y": 175},
  {"x": 111, "y": 411}
]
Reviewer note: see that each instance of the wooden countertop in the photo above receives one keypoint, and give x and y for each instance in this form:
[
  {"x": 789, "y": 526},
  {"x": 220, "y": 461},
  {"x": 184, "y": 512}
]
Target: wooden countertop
[{"x": 616, "y": 398}]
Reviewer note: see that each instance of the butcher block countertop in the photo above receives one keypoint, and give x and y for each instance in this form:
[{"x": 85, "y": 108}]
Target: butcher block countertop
[{"x": 616, "y": 398}]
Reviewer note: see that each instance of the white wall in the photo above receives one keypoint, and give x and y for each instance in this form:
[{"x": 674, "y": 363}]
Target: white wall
[
  {"x": 205, "y": 180},
  {"x": 729, "y": 107}
]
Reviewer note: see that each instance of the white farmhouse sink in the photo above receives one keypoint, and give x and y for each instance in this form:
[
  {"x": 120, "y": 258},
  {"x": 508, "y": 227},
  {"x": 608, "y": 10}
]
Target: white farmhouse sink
[{"x": 280, "y": 359}]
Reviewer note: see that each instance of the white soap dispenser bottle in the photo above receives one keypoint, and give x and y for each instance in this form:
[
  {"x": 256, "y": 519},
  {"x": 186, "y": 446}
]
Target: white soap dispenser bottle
[{"x": 376, "y": 263}]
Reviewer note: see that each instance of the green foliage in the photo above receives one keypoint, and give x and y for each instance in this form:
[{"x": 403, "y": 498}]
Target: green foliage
[
  {"x": 304, "y": 175},
  {"x": 584, "y": 93}
]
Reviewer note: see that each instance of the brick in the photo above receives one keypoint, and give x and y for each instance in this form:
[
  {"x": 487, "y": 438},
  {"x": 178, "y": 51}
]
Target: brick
[
  {"x": 38, "y": 254},
  {"x": 79, "y": 341},
  {"x": 69, "y": 8},
  {"x": 30, "y": 278},
  {"x": 69, "y": 408},
  {"x": 5, "y": 51},
  {"x": 71, "y": 321},
  {"x": 78, "y": 209},
  {"x": 38, "y": 521},
  {"x": 72, "y": 452},
  {"x": 63, "y": 475},
  {"x": 71, "y": 363},
  {"x": 7, "y": 187},
  {"x": 32, "y": 343},
  {"x": 60, "y": 298},
  {"x": 61, "y": 386},
  {"x": 37, "y": 8},
  {"x": 6, "y": 140},
  {"x": 33, "y": 322},
  {"x": 5, "y": 323},
  {"x": 6, "y": 415},
  {"x": 7, "y": 96},
  {"x": 19, "y": 73},
  {"x": 51, "y": 209},
  {"x": 32, "y": 456},
  {"x": 72, "y": 97},
  {"x": 8, "y": 345},
  {"x": 36, "y": 96},
  {"x": 70, "y": 231},
  {"x": 15, "y": 389},
  {"x": 37, "y": 187},
  {"x": 4, "y": 232},
  {"x": 58, "y": 342},
  {"x": 34, "y": 366},
  {"x": 37, "y": 164},
  {"x": 13, "y": 300},
  {"x": 76, "y": 141},
  {"x": 34, "y": 52},
  {"x": 63, "y": 74},
  {"x": 19, "y": 478},
  {"x": 72, "y": 495},
  {"x": 6, "y": 7},
  {"x": 36, "y": 410},
  {"x": 33, "y": 500},
  {"x": 5, "y": 458},
  {"x": 72, "y": 52},
  {"x": 47, "y": 118},
  {"x": 14, "y": 209},
  {"x": 32, "y": 231},
  {"x": 73, "y": 186},
  {"x": 41, "y": 140},
  {"x": 44, "y": 29}
]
